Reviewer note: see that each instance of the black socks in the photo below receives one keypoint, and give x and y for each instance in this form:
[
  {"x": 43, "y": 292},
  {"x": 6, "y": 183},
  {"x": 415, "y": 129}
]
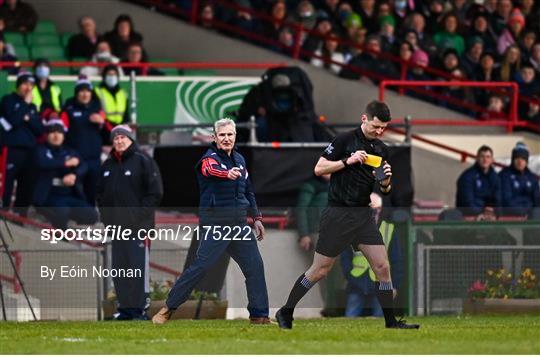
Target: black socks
[
  {"x": 385, "y": 295},
  {"x": 300, "y": 288}
]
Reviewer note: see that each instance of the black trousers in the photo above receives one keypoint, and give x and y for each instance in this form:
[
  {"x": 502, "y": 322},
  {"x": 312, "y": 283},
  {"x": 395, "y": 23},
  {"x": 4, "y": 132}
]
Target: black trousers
[{"x": 19, "y": 167}]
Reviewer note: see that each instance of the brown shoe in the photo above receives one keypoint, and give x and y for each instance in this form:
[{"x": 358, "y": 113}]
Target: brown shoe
[
  {"x": 163, "y": 315},
  {"x": 259, "y": 321}
]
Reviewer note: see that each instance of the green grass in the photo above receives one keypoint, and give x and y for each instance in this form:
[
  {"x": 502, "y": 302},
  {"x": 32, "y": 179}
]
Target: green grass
[{"x": 438, "y": 335}]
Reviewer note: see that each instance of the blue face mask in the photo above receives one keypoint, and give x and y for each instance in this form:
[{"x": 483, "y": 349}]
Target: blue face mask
[
  {"x": 400, "y": 5},
  {"x": 111, "y": 81},
  {"x": 42, "y": 72}
]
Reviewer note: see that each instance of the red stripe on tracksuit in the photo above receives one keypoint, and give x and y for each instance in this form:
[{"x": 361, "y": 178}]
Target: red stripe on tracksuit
[{"x": 210, "y": 167}]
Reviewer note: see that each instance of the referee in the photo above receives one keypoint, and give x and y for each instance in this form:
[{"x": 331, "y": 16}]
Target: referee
[{"x": 348, "y": 221}]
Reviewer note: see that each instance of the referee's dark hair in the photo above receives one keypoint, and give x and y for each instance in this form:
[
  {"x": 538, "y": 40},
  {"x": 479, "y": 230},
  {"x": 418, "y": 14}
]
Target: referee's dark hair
[{"x": 378, "y": 109}]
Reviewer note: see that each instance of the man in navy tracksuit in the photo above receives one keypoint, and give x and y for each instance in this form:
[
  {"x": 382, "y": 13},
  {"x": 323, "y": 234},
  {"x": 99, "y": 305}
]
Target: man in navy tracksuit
[
  {"x": 479, "y": 187},
  {"x": 128, "y": 192},
  {"x": 21, "y": 126},
  {"x": 520, "y": 189},
  {"x": 58, "y": 192},
  {"x": 86, "y": 125},
  {"x": 226, "y": 201}
]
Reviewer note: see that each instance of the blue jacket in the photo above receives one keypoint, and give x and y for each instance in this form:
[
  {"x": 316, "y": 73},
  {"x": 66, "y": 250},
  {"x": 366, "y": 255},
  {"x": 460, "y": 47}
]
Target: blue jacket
[
  {"x": 364, "y": 284},
  {"x": 49, "y": 162},
  {"x": 520, "y": 191},
  {"x": 83, "y": 135},
  {"x": 223, "y": 201},
  {"x": 476, "y": 190},
  {"x": 16, "y": 131}
]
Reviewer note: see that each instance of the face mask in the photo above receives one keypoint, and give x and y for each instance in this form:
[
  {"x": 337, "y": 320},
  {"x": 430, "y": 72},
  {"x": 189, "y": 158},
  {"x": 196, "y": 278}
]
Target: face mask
[
  {"x": 111, "y": 81},
  {"x": 306, "y": 14},
  {"x": 42, "y": 72},
  {"x": 400, "y": 5}
]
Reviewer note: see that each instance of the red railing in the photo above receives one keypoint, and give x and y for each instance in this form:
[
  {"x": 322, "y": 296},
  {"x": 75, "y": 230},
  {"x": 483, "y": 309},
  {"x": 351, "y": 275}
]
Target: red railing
[
  {"x": 296, "y": 51},
  {"x": 17, "y": 259},
  {"x": 509, "y": 124}
]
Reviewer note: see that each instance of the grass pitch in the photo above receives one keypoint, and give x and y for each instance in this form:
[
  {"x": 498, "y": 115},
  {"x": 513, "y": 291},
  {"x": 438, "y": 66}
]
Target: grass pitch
[{"x": 438, "y": 335}]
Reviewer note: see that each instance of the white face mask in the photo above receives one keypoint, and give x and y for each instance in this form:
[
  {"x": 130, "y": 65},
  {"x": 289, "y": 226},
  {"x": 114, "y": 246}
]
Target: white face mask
[
  {"x": 43, "y": 72},
  {"x": 111, "y": 81}
]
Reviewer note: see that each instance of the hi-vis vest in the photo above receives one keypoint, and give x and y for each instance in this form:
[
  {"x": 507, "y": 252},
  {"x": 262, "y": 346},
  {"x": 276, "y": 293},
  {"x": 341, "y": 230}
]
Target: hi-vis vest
[
  {"x": 360, "y": 262},
  {"x": 114, "y": 106},
  {"x": 55, "y": 97}
]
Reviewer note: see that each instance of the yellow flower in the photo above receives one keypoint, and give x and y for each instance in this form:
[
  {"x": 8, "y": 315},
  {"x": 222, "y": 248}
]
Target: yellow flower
[
  {"x": 509, "y": 276},
  {"x": 490, "y": 272},
  {"x": 505, "y": 296}
]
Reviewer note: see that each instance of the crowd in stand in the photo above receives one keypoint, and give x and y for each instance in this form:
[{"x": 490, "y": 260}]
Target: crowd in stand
[
  {"x": 52, "y": 148},
  {"x": 481, "y": 40}
]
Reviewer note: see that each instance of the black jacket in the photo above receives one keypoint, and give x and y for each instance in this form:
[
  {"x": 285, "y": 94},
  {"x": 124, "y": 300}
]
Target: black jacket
[{"x": 129, "y": 189}]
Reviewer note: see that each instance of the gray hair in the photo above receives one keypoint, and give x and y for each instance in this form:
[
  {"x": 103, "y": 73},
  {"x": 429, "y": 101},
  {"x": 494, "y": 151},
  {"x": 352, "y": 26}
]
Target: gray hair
[{"x": 224, "y": 122}]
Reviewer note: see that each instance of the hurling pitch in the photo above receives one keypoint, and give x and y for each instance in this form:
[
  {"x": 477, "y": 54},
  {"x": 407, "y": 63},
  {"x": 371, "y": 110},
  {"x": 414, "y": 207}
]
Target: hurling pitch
[{"x": 438, "y": 335}]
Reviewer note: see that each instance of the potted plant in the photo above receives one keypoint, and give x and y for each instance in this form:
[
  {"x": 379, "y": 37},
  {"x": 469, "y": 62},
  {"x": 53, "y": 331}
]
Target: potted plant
[
  {"x": 200, "y": 305},
  {"x": 502, "y": 293}
]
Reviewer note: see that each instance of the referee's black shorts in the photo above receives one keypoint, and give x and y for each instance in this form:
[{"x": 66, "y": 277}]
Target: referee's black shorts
[{"x": 341, "y": 227}]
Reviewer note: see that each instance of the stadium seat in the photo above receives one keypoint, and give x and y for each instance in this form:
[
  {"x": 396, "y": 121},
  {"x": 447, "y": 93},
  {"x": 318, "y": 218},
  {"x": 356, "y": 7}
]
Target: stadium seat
[
  {"x": 22, "y": 53},
  {"x": 45, "y": 26},
  {"x": 61, "y": 71},
  {"x": 38, "y": 39},
  {"x": 15, "y": 38},
  {"x": 52, "y": 53}
]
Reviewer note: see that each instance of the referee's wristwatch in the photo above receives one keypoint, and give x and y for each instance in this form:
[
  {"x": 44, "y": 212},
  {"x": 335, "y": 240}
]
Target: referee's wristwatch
[{"x": 344, "y": 161}]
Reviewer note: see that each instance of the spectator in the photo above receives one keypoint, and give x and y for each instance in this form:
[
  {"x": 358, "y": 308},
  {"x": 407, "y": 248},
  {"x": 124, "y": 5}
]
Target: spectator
[
  {"x": 416, "y": 72},
  {"x": 526, "y": 42},
  {"x": 460, "y": 8},
  {"x": 480, "y": 28},
  {"x": 330, "y": 7},
  {"x": 528, "y": 86},
  {"x": 315, "y": 40},
  {"x": 531, "y": 13},
  {"x": 358, "y": 40},
  {"x": 520, "y": 191},
  {"x": 487, "y": 72},
  {"x": 18, "y": 16},
  {"x": 84, "y": 43},
  {"x": 136, "y": 56},
  {"x": 534, "y": 57},
  {"x": 435, "y": 14},
  {"x": 129, "y": 202},
  {"x": 496, "y": 108},
  {"x": 46, "y": 95},
  {"x": 499, "y": 19},
  {"x": 401, "y": 10},
  {"x": 450, "y": 61},
  {"x": 305, "y": 15},
  {"x": 329, "y": 56},
  {"x": 471, "y": 60},
  {"x": 102, "y": 55},
  {"x": 449, "y": 37},
  {"x": 239, "y": 17},
  {"x": 370, "y": 62},
  {"x": 388, "y": 39},
  {"x": 361, "y": 282},
  {"x": 207, "y": 15},
  {"x": 479, "y": 187},
  {"x": 7, "y": 57},
  {"x": 533, "y": 112},
  {"x": 369, "y": 16},
  {"x": 278, "y": 13},
  {"x": 352, "y": 24},
  {"x": 122, "y": 36},
  {"x": 406, "y": 50},
  {"x": 417, "y": 23},
  {"x": 463, "y": 94},
  {"x": 58, "y": 194},
  {"x": 510, "y": 64},
  {"x": 510, "y": 35},
  {"x": 21, "y": 127},
  {"x": 114, "y": 100},
  {"x": 285, "y": 41},
  {"x": 86, "y": 125}
]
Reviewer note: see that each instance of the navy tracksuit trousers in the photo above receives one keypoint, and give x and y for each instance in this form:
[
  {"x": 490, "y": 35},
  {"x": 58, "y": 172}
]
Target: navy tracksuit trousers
[{"x": 244, "y": 252}]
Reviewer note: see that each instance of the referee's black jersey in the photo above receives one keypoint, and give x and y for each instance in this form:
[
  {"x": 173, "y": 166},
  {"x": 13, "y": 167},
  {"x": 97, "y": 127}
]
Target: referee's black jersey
[{"x": 352, "y": 185}]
